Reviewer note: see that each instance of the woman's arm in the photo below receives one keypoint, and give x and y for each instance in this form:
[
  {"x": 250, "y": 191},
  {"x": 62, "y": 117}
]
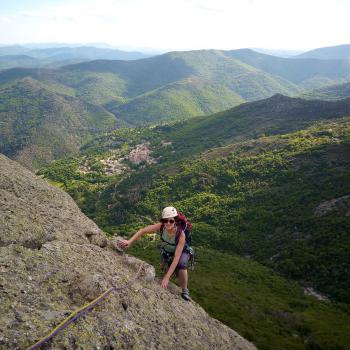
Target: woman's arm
[
  {"x": 178, "y": 252},
  {"x": 148, "y": 229}
]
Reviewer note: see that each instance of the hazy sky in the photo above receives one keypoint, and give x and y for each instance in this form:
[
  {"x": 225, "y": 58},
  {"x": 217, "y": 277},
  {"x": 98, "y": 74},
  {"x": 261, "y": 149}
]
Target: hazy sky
[{"x": 178, "y": 24}]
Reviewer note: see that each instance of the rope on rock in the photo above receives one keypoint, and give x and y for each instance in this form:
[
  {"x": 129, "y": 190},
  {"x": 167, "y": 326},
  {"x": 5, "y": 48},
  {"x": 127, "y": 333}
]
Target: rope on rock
[{"x": 83, "y": 310}]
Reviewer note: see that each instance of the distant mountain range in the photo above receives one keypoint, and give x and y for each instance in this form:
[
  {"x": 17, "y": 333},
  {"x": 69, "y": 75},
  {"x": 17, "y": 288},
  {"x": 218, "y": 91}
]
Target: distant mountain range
[
  {"x": 279, "y": 53},
  {"x": 176, "y": 85},
  {"x": 339, "y": 52},
  {"x": 23, "y": 56}
]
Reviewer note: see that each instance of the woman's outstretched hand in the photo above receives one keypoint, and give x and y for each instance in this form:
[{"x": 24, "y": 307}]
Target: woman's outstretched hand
[
  {"x": 124, "y": 243},
  {"x": 165, "y": 282}
]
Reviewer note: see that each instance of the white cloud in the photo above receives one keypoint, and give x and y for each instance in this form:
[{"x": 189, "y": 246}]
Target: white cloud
[
  {"x": 184, "y": 24},
  {"x": 5, "y": 19}
]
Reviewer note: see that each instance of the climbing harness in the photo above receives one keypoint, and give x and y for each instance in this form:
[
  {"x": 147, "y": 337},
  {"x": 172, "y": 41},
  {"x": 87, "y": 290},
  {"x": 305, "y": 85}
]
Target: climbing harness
[
  {"x": 166, "y": 258},
  {"x": 76, "y": 314}
]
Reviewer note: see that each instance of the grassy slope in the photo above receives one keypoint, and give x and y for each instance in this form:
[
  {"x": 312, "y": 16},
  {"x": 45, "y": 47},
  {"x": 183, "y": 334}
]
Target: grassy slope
[
  {"x": 159, "y": 81},
  {"x": 258, "y": 303},
  {"x": 260, "y": 201},
  {"x": 187, "y": 98},
  {"x": 92, "y": 87},
  {"x": 243, "y": 79}
]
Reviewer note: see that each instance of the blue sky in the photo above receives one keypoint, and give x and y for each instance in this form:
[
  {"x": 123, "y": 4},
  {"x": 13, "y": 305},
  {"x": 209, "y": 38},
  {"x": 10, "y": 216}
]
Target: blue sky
[{"x": 178, "y": 24}]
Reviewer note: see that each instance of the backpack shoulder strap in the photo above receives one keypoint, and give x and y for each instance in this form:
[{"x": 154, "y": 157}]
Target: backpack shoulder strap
[
  {"x": 161, "y": 231},
  {"x": 178, "y": 233},
  {"x": 161, "y": 228}
]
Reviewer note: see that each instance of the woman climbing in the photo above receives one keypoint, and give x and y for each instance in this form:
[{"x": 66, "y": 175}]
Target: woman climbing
[{"x": 175, "y": 251}]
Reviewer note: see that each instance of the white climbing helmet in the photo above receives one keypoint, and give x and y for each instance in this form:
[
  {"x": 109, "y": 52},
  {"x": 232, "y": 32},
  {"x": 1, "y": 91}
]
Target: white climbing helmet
[{"x": 169, "y": 212}]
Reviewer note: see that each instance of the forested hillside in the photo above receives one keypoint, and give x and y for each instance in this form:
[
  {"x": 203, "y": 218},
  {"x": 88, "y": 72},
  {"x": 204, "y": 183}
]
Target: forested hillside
[
  {"x": 308, "y": 73},
  {"x": 10, "y": 61},
  {"x": 185, "y": 82},
  {"x": 215, "y": 66},
  {"x": 276, "y": 115},
  {"x": 330, "y": 93},
  {"x": 188, "y": 97},
  {"x": 276, "y": 199},
  {"x": 38, "y": 125}
]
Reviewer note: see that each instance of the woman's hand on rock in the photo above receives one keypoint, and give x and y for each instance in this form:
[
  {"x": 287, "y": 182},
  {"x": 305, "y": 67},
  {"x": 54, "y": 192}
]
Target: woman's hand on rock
[{"x": 124, "y": 243}]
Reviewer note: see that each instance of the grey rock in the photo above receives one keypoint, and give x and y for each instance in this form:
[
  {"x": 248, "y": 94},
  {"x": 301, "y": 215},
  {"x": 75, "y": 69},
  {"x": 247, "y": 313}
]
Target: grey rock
[
  {"x": 340, "y": 206},
  {"x": 89, "y": 286},
  {"x": 114, "y": 244}
]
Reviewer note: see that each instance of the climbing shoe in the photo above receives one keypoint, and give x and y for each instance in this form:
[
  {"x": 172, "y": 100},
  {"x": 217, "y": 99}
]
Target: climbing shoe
[{"x": 185, "y": 294}]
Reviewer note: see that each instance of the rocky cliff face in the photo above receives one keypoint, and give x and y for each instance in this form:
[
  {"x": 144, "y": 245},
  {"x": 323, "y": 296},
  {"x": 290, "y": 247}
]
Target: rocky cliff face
[{"x": 54, "y": 260}]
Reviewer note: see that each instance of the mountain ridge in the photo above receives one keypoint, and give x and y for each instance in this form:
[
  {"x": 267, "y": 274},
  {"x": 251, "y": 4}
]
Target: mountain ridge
[
  {"x": 300, "y": 71},
  {"x": 330, "y": 93},
  {"x": 166, "y": 87},
  {"x": 209, "y": 64},
  {"x": 329, "y": 52}
]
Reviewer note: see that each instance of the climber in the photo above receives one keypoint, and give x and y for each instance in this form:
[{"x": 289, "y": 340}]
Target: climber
[{"x": 175, "y": 252}]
